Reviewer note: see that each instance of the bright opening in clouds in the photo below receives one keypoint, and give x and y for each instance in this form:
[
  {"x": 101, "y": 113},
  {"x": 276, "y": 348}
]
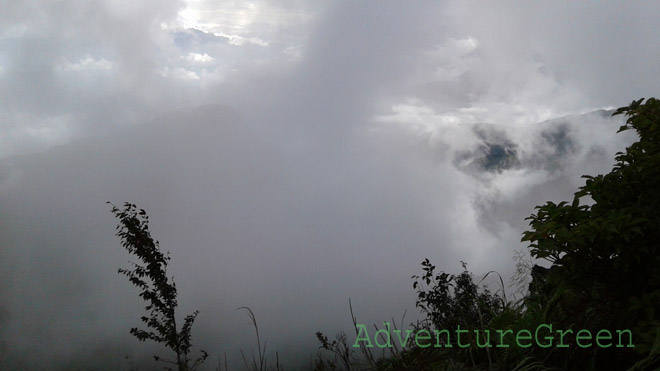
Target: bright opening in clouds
[{"x": 291, "y": 155}]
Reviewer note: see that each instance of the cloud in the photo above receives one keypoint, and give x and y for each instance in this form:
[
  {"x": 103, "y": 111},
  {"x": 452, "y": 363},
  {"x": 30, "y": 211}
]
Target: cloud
[
  {"x": 196, "y": 58},
  {"x": 362, "y": 138},
  {"x": 180, "y": 73},
  {"x": 85, "y": 64}
]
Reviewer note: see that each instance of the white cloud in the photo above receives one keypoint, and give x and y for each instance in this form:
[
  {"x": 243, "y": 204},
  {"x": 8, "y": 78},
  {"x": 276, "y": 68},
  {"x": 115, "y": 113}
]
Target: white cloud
[
  {"x": 46, "y": 131},
  {"x": 240, "y": 40},
  {"x": 86, "y": 63},
  {"x": 179, "y": 73},
  {"x": 242, "y": 17},
  {"x": 196, "y": 58}
]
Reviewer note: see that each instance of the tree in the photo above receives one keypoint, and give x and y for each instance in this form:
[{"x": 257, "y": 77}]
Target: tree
[
  {"x": 605, "y": 252},
  {"x": 455, "y": 301},
  {"x": 452, "y": 300},
  {"x": 156, "y": 289}
]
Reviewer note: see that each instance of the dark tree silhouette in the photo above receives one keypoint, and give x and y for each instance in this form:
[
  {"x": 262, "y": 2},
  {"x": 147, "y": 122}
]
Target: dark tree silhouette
[
  {"x": 155, "y": 288},
  {"x": 605, "y": 252}
]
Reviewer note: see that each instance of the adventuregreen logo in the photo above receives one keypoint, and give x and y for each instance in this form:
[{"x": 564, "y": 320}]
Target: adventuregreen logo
[{"x": 543, "y": 337}]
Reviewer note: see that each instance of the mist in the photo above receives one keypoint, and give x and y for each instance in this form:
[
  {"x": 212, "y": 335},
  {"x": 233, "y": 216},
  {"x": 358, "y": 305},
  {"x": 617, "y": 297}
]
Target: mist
[{"x": 290, "y": 157}]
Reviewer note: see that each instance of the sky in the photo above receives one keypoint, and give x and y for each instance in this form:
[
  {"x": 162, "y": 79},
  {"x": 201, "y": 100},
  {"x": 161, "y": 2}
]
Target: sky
[{"x": 291, "y": 155}]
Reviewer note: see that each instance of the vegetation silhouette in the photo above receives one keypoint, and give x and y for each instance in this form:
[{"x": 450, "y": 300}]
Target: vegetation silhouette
[{"x": 155, "y": 288}]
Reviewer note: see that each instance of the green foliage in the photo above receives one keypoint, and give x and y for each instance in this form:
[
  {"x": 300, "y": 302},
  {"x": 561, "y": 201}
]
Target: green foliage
[
  {"x": 155, "y": 288},
  {"x": 454, "y": 300},
  {"x": 605, "y": 252}
]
